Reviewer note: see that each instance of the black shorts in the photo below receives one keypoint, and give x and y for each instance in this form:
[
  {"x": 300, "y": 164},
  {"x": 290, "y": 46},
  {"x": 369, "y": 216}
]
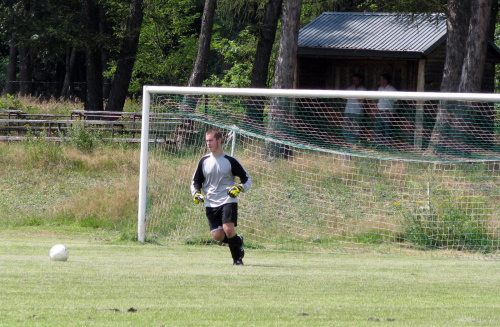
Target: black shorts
[{"x": 226, "y": 213}]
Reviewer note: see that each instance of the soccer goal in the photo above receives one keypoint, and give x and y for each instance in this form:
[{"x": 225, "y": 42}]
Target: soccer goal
[{"x": 421, "y": 172}]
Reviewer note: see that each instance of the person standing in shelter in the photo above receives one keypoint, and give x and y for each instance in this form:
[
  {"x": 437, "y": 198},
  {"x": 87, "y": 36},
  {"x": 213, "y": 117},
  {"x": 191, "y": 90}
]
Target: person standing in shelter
[
  {"x": 214, "y": 184},
  {"x": 385, "y": 112},
  {"x": 353, "y": 112}
]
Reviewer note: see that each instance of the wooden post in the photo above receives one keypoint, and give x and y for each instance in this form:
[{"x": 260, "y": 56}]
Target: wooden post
[{"x": 419, "y": 113}]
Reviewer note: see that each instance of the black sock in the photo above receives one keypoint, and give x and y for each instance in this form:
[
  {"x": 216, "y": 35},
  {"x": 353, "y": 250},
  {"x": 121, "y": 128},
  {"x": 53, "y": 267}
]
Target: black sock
[
  {"x": 234, "y": 246},
  {"x": 225, "y": 240},
  {"x": 235, "y": 240}
]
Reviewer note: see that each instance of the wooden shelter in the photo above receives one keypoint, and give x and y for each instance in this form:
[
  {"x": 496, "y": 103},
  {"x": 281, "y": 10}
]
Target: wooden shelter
[{"x": 410, "y": 48}]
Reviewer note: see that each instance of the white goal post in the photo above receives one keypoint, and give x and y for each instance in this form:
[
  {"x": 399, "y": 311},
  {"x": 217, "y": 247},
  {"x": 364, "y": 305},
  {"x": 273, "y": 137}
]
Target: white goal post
[{"x": 310, "y": 127}]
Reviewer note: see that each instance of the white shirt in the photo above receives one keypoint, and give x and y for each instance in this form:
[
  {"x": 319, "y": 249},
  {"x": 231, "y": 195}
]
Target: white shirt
[
  {"x": 214, "y": 175},
  {"x": 386, "y": 104},
  {"x": 354, "y": 106}
]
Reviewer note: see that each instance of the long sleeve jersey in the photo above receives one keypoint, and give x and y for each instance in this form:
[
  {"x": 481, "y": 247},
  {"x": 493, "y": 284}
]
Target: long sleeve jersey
[{"x": 214, "y": 175}]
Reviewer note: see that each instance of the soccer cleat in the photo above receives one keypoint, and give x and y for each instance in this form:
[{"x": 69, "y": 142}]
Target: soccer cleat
[{"x": 238, "y": 262}]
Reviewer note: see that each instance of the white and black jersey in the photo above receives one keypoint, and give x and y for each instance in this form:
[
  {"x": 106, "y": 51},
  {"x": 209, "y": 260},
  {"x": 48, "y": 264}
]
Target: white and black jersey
[{"x": 214, "y": 175}]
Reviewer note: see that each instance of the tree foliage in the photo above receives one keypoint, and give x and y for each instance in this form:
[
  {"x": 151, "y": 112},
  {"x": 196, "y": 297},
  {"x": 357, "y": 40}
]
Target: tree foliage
[
  {"x": 47, "y": 31},
  {"x": 413, "y": 6},
  {"x": 167, "y": 45},
  {"x": 237, "y": 55}
]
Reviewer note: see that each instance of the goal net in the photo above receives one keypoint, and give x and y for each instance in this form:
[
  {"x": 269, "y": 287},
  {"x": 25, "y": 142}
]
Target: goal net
[{"x": 421, "y": 174}]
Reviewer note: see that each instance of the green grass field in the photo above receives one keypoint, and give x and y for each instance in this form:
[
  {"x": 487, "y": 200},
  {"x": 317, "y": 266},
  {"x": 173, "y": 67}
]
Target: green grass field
[
  {"x": 107, "y": 282},
  {"x": 87, "y": 200}
]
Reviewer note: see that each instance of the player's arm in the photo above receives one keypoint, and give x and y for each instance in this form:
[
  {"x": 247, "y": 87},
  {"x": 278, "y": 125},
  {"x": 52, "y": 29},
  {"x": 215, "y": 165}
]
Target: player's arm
[
  {"x": 245, "y": 180},
  {"x": 197, "y": 183},
  {"x": 244, "y": 177}
]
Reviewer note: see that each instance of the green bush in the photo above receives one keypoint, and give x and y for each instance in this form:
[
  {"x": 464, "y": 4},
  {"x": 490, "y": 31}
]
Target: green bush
[
  {"x": 449, "y": 223},
  {"x": 82, "y": 139},
  {"x": 10, "y": 102}
]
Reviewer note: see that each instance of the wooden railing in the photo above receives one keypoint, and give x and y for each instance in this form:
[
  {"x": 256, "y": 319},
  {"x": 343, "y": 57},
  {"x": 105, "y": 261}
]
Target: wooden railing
[{"x": 122, "y": 126}]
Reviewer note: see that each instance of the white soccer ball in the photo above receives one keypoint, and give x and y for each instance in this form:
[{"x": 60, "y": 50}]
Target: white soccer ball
[{"x": 59, "y": 253}]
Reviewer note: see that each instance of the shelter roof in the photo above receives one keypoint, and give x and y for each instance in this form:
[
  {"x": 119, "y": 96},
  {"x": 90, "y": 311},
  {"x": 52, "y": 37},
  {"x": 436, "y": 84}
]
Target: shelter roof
[{"x": 383, "y": 34}]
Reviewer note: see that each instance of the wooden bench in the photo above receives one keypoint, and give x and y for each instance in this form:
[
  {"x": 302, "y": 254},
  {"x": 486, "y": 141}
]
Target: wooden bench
[
  {"x": 43, "y": 116},
  {"x": 104, "y": 125},
  {"x": 52, "y": 126},
  {"x": 10, "y": 113},
  {"x": 100, "y": 115},
  {"x": 26, "y": 125},
  {"x": 17, "y": 138},
  {"x": 160, "y": 125}
]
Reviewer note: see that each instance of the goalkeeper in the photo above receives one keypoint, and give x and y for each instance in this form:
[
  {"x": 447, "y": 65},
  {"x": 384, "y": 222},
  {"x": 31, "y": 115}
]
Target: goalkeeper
[{"x": 214, "y": 185}]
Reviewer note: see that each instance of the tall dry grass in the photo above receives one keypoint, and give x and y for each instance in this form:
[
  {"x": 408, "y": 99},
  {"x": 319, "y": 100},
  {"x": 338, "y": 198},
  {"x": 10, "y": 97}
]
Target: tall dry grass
[
  {"x": 56, "y": 106},
  {"x": 47, "y": 183},
  {"x": 39, "y": 105}
]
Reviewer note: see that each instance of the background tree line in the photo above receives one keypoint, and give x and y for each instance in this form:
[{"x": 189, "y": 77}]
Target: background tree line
[{"x": 103, "y": 51}]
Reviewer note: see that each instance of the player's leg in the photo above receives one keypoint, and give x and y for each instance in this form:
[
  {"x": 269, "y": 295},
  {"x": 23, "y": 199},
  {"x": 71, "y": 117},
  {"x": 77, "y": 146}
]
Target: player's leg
[
  {"x": 235, "y": 246},
  {"x": 235, "y": 241},
  {"x": 214, "y": 218},
  {"x": 219, "y": 235}
]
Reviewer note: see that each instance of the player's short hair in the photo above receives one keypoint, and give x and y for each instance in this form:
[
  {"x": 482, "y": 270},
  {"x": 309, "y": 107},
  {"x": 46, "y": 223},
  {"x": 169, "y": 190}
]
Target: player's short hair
[{"x": 216, "y": 133}]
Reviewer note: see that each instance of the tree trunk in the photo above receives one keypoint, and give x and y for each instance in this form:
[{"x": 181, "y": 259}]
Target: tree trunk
[
  {"x": 287, "y": 55},
  {"x": 106, "y": 81},
  {"x": 280, "y": 109},
  {"x": 493, "y": 20},
  {"x": 265, "y": 43},
  {"x": 10, "y": 78},
  {"x": 67, "y": 88},
  {"x": 481, "y": 116},
  {"x": 93, "y": 96},
  {"x": 477, "y": 40},
  {"x": 458, "y": 25},
  {"x": 26, "y": 85},
  {"x": 260, "y": 69},
  {"x": 468, "y": 25},
  {"x": 201, "y": 63},
  {"x": 105, "y": 28},
  {"x": 128, "y": 52},
  {"x": 185, "y": 131}
]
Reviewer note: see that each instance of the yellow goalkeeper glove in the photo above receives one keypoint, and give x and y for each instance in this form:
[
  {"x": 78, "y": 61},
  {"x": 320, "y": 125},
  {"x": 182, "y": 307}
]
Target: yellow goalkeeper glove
[
  {"x": 198, "y": 198},
  {"x": 235, "y": 190}
]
